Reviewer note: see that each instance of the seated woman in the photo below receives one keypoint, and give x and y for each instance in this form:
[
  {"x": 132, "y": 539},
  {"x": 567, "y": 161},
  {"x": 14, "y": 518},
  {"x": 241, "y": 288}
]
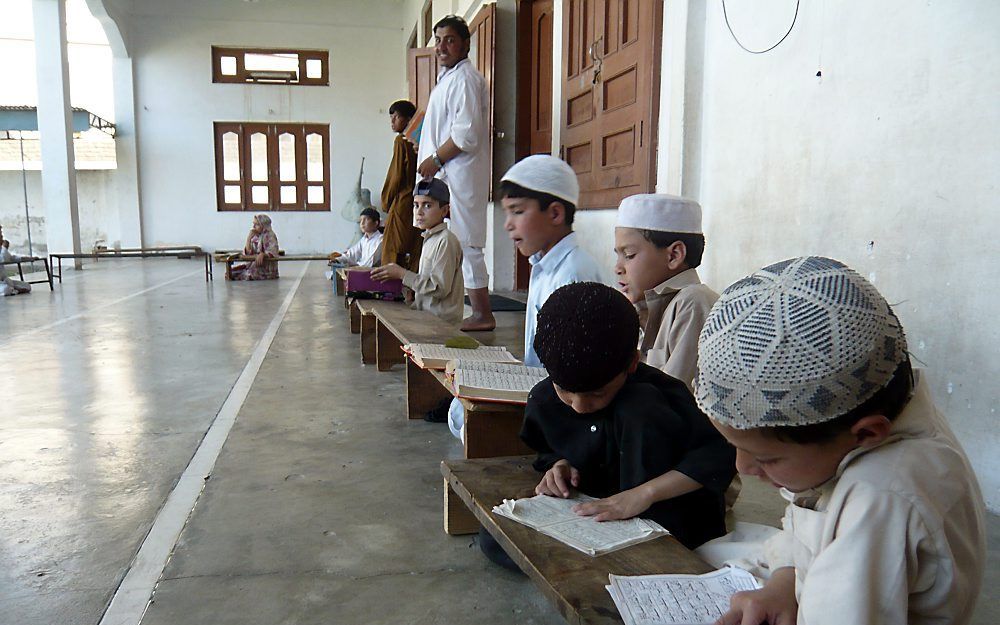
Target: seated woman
[{"x": 261, "y": 249}]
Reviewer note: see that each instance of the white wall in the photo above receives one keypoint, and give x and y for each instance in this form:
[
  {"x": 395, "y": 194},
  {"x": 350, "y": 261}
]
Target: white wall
[
  {"x": 889, "y": 162},
  {"x": 176, "y": 103},
  {"x": 95, "y": 197}
]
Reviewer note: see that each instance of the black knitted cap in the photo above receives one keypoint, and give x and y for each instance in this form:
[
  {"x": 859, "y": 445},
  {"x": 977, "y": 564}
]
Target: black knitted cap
[{"x": 587, "y": 333}]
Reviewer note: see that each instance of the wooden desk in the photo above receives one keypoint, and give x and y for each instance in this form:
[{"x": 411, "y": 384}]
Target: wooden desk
[{"x": 573, "y": 581}]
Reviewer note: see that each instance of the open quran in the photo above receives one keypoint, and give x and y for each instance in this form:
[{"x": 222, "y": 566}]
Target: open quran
[
  {"x": 677, "y": 599},
  {"x": 494, "y": 381},
  {"x": 431, "y": 356},
  {"x": 554, "y": 516}
]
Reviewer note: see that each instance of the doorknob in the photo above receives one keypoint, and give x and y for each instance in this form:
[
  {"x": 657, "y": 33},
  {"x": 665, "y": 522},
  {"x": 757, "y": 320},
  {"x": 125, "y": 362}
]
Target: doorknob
[{"x": 499, "y": 134}]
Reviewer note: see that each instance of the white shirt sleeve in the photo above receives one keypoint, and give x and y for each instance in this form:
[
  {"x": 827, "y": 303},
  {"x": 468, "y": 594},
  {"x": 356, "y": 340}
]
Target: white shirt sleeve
[
  {"x": 353, "y": 254},
  {"x": 468, "y": 123}
]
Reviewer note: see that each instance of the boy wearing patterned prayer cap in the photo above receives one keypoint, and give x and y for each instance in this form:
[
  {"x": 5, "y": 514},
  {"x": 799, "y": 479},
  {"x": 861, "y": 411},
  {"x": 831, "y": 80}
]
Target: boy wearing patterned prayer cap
[
  {"x": 803, "y": 368},
  {"x": 659, "y": 244},
  {"x": 618, "y": 429}
]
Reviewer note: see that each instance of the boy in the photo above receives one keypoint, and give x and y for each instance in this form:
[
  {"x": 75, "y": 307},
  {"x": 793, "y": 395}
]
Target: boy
[
  {"x": 659, "y": 243},
  {"x": 439, "y": 287},
  {"x": 616, "y": 428},
  {"x": 8, "y": 285},
  {"x": 803, "y": 368},
  {"x": 401, "y": 244},
  {"x": 367, "y": 252},
  {"x": 539, "y": 196}
]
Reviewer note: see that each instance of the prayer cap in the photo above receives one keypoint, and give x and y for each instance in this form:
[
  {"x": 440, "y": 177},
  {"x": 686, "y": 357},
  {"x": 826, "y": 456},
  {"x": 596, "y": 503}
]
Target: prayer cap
[
  {"x": 545, "y": 173},
  {"x": 800, "y": 342},
  {"x": 434, "y": 188},
  {"x": 659, "y": 211},
  {"x": 587, "y": 334}
]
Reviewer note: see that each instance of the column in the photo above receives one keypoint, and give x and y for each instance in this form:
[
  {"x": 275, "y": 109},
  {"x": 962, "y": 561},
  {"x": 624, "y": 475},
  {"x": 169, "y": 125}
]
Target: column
[{"x": 62, "y": 220}]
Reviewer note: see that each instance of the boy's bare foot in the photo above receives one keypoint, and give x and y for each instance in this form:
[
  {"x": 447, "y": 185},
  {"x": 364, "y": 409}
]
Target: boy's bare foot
[{"x": 479, "y": 324}]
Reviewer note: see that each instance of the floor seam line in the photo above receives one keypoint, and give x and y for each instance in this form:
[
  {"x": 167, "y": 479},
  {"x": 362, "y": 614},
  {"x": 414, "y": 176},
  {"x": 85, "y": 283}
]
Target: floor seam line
[{"x": 132, "y": 597}]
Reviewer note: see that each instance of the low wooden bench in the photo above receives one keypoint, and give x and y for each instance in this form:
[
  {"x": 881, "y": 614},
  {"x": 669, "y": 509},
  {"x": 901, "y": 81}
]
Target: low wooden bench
[
  {"x": 164, "y": 251},
  {"x": 280, "y": 259},
  {"x": 32, "y": 259},
  {"x": 573, "y": 581}
]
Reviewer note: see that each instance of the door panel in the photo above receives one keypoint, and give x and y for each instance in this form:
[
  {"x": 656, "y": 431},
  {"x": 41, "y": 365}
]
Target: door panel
[
  {"x": 421, "y": 73},
  {"x": 610, "y": 97},
  {"x": 540, "y": 115}
]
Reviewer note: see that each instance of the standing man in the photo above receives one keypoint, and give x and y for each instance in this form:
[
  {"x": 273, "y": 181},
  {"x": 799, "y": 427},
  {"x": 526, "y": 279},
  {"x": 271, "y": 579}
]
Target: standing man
[{"x": 455, "y": 147}]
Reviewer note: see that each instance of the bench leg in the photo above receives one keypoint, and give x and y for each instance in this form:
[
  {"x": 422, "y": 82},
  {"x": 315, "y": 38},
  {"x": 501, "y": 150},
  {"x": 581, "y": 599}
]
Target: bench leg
[
  {"x": 338, "y": 282},
  {"x": 368, "y": 346},
  {"x": 355, "y": 317},
  {"x": 489, "y": 434},
  {"x": 48, "y": 273},
  {"x": 423, "y": 391},
  {"x": 388, "y": 350},
  {"x": 458, "y": 519}
]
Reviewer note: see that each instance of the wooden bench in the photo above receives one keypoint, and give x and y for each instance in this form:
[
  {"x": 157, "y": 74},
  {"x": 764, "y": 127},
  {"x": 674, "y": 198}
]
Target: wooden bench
[
  {"x": 573, "y": 581},
  {"x": 32, "y": 259},
  {"x": 491, "y": 429},
  {"x": 234, "y": 259},
  {"x": 165, "y": 251}
]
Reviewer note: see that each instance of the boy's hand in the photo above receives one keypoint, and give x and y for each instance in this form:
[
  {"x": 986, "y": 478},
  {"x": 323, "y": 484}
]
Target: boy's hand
[
  {"x": 557, "y": 481},
  {"x": 335, "y": 255},
  {"x": 624, "y": 505},
  {"x": 773, "y": 604},
  {"x": 392, "y": 271}
]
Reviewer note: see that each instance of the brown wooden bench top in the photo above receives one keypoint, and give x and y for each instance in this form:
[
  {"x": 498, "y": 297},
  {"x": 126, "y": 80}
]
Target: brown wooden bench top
[{"x": 573, "y": 581}]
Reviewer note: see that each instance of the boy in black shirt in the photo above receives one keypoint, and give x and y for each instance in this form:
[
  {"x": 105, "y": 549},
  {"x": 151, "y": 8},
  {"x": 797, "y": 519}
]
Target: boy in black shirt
[{"x": 615, "y": 428}]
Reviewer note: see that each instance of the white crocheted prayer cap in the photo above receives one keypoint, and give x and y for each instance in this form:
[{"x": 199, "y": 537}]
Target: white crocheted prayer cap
[
  {"x": 659, "y": 211},
  {"x": 546, "y": 174},
  {"x": 799, "y": 342}
]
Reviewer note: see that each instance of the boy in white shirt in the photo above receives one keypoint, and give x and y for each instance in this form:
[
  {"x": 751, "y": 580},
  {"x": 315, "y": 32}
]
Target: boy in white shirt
[
  {"x": 367, "y": 252},
  {"x": 539, "y": 196},
  {"x": 803, "y": 368},
  {"x": 8, "y": 285}
]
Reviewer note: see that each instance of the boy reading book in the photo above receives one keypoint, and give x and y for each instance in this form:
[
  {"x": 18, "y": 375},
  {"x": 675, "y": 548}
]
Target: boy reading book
[
  {"x": 367, "y": 252},
  {"x": 659, "y": 244},
  {"x": 803, "y": 368},
  {"x": 438, "y": 287},
  {"x": 614, "y": 428}
]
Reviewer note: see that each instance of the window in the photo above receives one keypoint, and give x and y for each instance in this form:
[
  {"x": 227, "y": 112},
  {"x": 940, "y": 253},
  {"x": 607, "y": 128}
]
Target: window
[
  {"x": 271, "y": 66},
  {"x": 272, "y": 167}
]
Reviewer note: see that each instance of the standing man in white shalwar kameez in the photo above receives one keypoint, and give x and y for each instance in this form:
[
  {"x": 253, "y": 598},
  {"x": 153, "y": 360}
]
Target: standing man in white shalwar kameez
[{"x": 455, "y": 147}]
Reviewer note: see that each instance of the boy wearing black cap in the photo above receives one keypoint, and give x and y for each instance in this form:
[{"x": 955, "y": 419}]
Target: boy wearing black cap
[
  {"x": 619, "y": 429},
  {"x": 438, "y": 287}
]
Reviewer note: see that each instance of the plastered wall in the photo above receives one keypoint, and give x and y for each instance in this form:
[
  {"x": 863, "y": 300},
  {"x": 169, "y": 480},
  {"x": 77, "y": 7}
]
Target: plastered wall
[
  {"x": 889, "y": 162},
  {"x": 176, "y": 103}
]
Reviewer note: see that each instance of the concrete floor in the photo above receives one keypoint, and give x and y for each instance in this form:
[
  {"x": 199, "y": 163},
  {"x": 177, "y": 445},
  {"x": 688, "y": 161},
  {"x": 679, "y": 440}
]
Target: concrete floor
[{"x": 324, "y": 505}]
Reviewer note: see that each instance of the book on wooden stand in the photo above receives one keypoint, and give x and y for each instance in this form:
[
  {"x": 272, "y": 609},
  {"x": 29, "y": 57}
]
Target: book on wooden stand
[
  {"x": 500, "y": 382},
  {"x": 435, "y": 356}
]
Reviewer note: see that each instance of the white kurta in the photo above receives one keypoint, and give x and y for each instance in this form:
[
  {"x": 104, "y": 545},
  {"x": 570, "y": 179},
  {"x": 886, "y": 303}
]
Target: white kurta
[
  {"x": 8, "y": 285},
  {"x": 459, "y": 109},
  {"x": 365, "y": 253}
]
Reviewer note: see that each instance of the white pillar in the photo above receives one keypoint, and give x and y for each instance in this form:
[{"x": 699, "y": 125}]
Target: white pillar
[
  {"x": 62, "y": 220},
  {"x": 127, "y": 153}
]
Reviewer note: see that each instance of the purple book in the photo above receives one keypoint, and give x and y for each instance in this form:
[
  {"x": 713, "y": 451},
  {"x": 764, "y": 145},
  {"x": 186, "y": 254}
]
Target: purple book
[{"x": 360, "y": 285}]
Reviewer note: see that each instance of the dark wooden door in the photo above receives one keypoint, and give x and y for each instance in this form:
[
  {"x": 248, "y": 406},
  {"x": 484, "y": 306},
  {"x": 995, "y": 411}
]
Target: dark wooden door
[
  {"x": 540, "y": 114},
  {"x": 481, "y": 54},
  {"x": 611, "y": 78},
  {"x": 421, "y": 73}
]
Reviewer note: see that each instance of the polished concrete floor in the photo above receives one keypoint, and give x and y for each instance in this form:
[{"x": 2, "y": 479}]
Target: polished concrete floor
[{"x": 324, "y": 505}]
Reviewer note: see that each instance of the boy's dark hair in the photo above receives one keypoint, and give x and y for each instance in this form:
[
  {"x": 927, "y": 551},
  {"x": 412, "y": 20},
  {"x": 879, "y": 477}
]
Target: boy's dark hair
[
  {"x": 586, "y": 335},
  {"x": 695, "y": 243},
  {"x": 404, "y": 108},
  {"x": 513, "y": 190},
  {"x": 889, "y": 401},
  {"x": 457, "y": 24},
  {"x": 372, "y": 214}
]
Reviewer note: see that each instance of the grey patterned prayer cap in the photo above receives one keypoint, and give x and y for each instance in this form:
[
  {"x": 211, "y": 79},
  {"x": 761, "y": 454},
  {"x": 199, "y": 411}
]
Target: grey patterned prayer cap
[{"x": 799, "y": 342}]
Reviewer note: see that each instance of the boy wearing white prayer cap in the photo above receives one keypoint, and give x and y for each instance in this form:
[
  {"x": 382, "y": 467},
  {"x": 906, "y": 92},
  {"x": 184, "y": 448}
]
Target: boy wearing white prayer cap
[
  {"x": 539, "y": 195},
  {"x": 804, "y": 369},
  {"x": 659, "y": 244}
]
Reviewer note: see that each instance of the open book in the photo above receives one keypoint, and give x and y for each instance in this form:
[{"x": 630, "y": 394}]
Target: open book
[
  {"x": 554, "y": 517},
  {"x": 677, "y": 599},
  {"x": 494, "y": 381},
  {"x": 431, "y": 356}
]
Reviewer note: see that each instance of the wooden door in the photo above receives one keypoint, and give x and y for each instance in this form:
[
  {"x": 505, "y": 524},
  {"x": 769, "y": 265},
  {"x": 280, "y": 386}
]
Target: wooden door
[
  {"x": 421, "y": 73},
  {"x": 481, "y": 55},
  {"x": 540, "y": 107},
  {"x": 611, "y": 79}
]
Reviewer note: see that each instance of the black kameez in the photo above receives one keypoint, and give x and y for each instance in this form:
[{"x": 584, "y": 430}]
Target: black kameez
[{"x": 651, "y": 427}]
